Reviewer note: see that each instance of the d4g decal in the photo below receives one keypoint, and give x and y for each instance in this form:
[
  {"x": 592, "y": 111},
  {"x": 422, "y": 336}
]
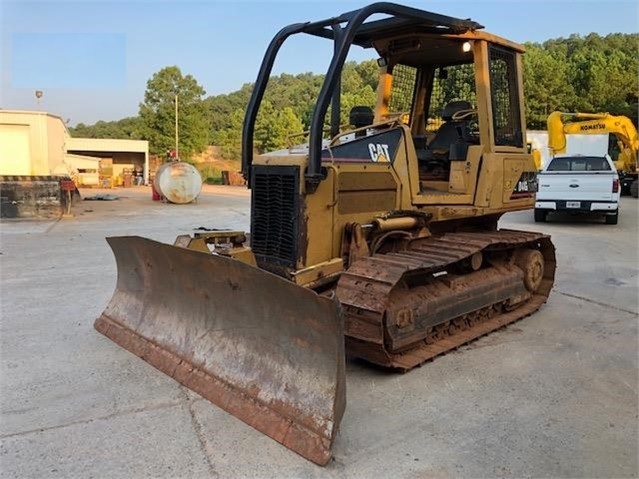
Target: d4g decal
[{"x": 526, "y": 186}]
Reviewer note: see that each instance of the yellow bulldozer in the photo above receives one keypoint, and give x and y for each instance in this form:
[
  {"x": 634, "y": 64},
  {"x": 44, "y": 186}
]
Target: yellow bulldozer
[{"x": 379, "y": 241}]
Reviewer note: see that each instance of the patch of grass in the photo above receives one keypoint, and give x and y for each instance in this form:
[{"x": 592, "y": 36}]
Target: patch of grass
[
  {"x": 213, "y": 181},
  {"x": 211, "y": 175}
]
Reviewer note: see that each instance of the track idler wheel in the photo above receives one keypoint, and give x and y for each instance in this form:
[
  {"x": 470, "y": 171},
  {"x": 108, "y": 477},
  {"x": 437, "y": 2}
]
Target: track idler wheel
[{"x": 531, "y": 262}]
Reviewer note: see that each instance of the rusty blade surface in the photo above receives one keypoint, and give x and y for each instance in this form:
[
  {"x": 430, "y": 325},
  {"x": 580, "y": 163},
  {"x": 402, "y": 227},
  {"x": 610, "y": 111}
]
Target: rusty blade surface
[{"x": 267, "y": 351}]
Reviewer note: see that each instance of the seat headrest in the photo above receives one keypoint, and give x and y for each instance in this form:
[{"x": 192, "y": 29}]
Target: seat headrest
[
  {"x": 361, "y": 116},
  {"x": 454, "y": 107}
]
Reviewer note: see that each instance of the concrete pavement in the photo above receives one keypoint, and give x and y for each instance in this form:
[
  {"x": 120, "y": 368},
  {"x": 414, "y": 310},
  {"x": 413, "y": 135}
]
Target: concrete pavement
[{"x": 554, "y": 395}]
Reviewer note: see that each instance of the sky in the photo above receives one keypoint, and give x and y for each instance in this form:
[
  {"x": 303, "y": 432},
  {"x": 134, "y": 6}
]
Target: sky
[{"x": 91, "y": 60}]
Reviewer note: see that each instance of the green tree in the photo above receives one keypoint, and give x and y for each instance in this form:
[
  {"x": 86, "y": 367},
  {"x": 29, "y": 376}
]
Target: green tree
[
  {"x": 545, "y": 83},
  {"x": 157, "y": 113},
  {"x": 369, "y": 73},
  {"x": 588, "y": 74},
  {"x": 356, "y": 91},
  {"x": 591, "y": 74},
  {"x": 220, "y": 109},
  {"x": 273, "y": 127},
  {"x": 230, "y": 139},
  {"x": 126, "y": 128}
]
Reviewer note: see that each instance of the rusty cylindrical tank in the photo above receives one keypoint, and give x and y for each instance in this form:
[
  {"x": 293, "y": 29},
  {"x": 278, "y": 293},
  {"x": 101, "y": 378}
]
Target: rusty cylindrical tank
[{"x": 178, "y": 182}]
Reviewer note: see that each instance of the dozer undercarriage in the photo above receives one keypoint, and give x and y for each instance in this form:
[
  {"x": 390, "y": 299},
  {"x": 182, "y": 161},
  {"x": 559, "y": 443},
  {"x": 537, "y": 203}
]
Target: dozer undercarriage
[
  {"x": 406, "y": 307},
  {"x": 380, "y": 242}
]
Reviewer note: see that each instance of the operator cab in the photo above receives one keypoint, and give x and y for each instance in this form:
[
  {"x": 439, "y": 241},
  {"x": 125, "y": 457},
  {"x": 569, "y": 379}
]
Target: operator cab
[
  {"x": 434, "y": 79},
  {"x": 449, "y": 142},
  {"x": 428, "y": 82},
  {"x": 448, "y": 104}
]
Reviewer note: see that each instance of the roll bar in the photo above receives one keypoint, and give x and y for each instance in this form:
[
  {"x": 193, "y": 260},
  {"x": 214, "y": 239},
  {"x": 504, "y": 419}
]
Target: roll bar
[{"x": 354, "y": 32}]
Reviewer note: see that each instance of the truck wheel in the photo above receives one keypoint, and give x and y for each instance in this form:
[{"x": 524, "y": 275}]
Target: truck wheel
[
  {"x": 540, "y": 216},
  {"x": 612, "y": 219},
  {"x": 634, "y": 187}
]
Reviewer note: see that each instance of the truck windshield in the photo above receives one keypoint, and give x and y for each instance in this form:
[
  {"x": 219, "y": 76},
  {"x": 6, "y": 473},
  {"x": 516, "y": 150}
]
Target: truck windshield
[{"x": 579, "y": 163}]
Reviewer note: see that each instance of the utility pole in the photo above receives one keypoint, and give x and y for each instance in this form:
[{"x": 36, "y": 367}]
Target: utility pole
[{"x": 177, "y": 151}]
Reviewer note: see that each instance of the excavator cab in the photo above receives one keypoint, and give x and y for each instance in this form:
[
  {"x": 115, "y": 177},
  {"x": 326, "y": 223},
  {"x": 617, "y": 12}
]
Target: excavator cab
[{"x": 378, "y": 240}]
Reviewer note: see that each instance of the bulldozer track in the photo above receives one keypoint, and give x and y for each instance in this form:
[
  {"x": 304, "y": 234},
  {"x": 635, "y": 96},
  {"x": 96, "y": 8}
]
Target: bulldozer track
[{"x": 366, "y": 290}]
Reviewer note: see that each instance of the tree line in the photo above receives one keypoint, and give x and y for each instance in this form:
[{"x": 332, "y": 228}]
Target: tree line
[{"x": 590, "y": 74}]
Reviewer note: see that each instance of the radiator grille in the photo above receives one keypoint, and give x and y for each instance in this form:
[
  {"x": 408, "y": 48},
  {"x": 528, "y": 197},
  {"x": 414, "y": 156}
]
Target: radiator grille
[{"x": 275, "y": 214}]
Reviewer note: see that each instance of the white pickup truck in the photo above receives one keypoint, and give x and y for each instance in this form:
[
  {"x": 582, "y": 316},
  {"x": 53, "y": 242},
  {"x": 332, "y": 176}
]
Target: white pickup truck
[{"x": 578, "y": 184}]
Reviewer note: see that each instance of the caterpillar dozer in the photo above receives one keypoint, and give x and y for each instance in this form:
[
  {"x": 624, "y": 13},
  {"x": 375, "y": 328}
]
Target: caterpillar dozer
[{"x": 377, "y": 241}]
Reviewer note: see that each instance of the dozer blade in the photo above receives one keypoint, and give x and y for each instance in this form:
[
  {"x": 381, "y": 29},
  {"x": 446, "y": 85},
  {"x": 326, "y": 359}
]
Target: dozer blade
[{"x": 265, "y": 350}]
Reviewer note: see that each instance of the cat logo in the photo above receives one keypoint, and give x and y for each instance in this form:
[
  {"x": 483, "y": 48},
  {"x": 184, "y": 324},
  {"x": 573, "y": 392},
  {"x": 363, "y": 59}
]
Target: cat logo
[{"x": 379, "y": 152}]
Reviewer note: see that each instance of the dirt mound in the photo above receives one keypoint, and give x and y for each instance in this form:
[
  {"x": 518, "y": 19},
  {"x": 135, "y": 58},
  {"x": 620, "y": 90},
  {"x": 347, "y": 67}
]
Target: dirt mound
[
  {"x": 211, "y": 156},
  {"x": 211, "y": 166}
]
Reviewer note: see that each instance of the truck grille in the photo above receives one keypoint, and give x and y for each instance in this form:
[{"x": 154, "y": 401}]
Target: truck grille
[{"x": 275, "y": 216}]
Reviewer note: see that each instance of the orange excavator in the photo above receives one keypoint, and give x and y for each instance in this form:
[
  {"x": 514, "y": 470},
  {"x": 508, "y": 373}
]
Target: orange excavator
[{"x": 379, "y": 241}]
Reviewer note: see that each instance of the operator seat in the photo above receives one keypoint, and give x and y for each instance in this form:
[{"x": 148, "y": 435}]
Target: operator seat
[
  {"x": 449, "y": 144},
  {"x": 361, "y": 116}
]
